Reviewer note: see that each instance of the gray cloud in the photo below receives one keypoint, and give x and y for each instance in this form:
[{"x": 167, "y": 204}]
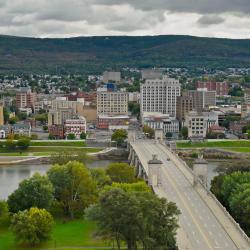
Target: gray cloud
[
  {"x": 207, "y": 20},
  {"x": 194, "y": 6},
  {"x": 98, "y": 17}
]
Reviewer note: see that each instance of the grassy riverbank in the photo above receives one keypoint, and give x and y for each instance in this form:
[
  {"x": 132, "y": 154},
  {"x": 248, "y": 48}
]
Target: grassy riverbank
[
  {"x": 236, "y": 145},
  {"x": 45, "y": 151},
  {"x": 69, "y": 235}
]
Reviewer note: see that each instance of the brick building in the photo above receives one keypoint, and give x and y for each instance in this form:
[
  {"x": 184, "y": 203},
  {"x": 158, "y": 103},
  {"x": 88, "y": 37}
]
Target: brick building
[
  {"x": 221, "y": 88},
  {"x": 25, "y": 98},
  {"x": 75, "y": 126},
  {"x": 112, "y": 122},
  {"x": 57, "y": 131}
]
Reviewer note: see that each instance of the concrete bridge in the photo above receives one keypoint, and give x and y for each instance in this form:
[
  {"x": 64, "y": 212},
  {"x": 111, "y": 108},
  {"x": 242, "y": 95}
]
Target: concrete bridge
[{"x": 204, "y": 222}]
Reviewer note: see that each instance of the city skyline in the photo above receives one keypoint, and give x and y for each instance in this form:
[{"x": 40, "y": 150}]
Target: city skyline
[{"x": 224, "y": 18}]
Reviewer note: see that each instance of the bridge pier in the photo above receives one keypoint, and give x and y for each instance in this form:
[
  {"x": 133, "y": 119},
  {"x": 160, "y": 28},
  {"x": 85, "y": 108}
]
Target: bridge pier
[
  {"x": 130, "y": 154},
  {"x": 132, "y": 158}
]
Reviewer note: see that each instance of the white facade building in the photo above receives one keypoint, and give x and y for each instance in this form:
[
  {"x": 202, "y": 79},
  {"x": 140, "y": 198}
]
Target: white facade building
[
  {"x": 75, "y": 126},
  {"x": 247, "y": 97},
  {"x": 199, "y": 123},
  {"x": 161, "y": 121},
  {"x": 134, "y": 97},
  {"x": 159, "y": 95}
]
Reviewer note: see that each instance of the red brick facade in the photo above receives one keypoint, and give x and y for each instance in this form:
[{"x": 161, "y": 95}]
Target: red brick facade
[{"x": 221, "y": 88}]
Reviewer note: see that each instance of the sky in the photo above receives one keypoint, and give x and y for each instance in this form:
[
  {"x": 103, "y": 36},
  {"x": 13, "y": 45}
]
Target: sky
[{"x": 70, "y": 18}]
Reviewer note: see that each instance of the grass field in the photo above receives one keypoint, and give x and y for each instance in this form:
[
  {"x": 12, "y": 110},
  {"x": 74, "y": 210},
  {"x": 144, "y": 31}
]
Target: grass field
[
  {"x": 65, "y": 236},
  {"x": 58, "y": 143},
  {"x": 240, "y": 150},
  {"x": 44, "y": 151},
  {"x": 215, "y": 144}
]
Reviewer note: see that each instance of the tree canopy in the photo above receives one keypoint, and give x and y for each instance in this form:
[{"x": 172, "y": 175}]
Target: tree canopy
[
  {"x": 121, "y": 172},
  {"x": 37, "y": 191},
  {"x": 233, "y": 191},
  {"x": 32, "y": 226},
  {"x": 120, "y": 135},
  {"x": 154, "y": 220},
  {"x": 74, "y": 187},
  {"x": 148, "y": 131}
]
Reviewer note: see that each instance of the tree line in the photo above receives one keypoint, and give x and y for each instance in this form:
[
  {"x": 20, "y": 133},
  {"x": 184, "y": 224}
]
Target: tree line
[
  {"x": 232, "y": 189},
  {"x": 124, "y": 208}
]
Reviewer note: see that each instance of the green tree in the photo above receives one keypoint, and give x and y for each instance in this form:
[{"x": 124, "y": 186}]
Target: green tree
[
  {"x": 4, "y": 213},
  {"x": 32, "y": 226},
  {"x": 12, "y": 120},
  {"x": 169, "y": 135},
  {"x": 36, "y": 191},
  {"x": 23, "y": 143},
  {"x": 216, "y": 185},
  {"x": 74, "y": 186},
  {"x": 159, "y": 223},
  {"x": 10, "y": 144},
  {"x": 64, "y": 156},
  {"x": 71, "y": 136},
  {"x": 120, "y": 135},
  {"x": 83, "y": 136},
  {"x": 6, "y": 115},
  {"x": 231, "y": 183},
  {"x": 184, "y": 132},
  {"x": 45, "y": 128},
  {"x": 134, "y": 108},
  {"x": 140, "y": 186},
  {"x": 121, "y": 172},
  {"x": 100, "y": 177},
  {"x": 43, "y": 118},
  {"x": 51, "y": 137},
  {"x": 240, "y": 206},
  {"x": 245, "y": 128},
  {"x": 34, "y": 137},
  {"x": 154, "y": 220},
  {"x": 148, "y": 131}
]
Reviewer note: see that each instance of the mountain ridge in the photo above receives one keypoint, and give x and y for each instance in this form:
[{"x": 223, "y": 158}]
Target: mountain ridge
[{"x": 96, "y": 53}]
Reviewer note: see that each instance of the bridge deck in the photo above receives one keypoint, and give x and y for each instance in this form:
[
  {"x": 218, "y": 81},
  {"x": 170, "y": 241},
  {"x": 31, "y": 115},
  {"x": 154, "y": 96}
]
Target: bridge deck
[{"x": 200, "y": 228}]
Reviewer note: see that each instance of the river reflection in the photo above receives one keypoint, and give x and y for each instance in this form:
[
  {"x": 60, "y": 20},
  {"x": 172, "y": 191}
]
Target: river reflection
[{"x": 12, "y": 175}]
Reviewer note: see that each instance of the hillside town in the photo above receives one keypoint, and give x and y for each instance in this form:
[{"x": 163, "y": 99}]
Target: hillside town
[{"x": 76, "y": 107}]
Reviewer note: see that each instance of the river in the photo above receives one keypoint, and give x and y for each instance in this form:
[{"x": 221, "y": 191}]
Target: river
[{"x": 12, "y": 175}]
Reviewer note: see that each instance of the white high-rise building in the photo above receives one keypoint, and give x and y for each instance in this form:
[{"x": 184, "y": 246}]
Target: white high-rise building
[{"x": 159, "y": 95}]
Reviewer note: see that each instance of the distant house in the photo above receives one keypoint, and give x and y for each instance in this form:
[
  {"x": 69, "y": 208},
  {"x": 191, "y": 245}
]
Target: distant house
[
  {"x": 21, "y": 129},
  {"x": 4, "y": 131}
]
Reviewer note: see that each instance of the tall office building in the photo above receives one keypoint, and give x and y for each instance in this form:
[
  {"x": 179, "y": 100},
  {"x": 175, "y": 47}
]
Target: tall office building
[
  {"x": 160, "y": 95},
  {"x": 59, "y": 116},
  {"x": 111, "y": 76},
  {"x": 202, "y": 98},
  {"x": 112, "y": 103},
  {"x": 25, "y": 98},
  {"x": 63, "y": 103},
  {"x": 183, "y": 106},
  {"x": 151, "y": 74}
]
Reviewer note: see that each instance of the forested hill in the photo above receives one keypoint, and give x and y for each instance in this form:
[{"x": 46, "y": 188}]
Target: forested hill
[{"x": 94, "y": 54}]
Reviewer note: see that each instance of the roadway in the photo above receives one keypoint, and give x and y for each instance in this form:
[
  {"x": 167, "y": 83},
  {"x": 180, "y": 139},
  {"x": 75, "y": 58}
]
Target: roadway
[{"x": 200, "y": 229}]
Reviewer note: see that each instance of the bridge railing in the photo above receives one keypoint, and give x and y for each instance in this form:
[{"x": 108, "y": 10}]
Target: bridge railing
[{"x": 229, "y": 216}]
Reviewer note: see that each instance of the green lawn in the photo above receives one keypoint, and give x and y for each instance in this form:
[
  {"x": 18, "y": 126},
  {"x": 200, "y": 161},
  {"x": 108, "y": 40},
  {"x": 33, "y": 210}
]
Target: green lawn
[
  {"x": 68, "y": 236},
  {"x": 58, "y": 143},
  {"x": 215, "y": 144},
  {"x": 40, "y": 151},
  {"x": 240, "y": 150}
]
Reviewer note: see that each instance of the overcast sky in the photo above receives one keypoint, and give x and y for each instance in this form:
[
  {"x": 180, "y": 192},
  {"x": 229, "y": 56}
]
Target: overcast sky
[{"x": 67, "y": 18}]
